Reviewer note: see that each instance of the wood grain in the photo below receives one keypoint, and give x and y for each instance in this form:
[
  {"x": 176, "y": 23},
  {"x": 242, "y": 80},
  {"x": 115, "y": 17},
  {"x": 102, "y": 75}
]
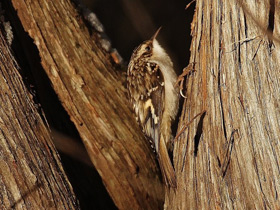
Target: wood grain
[
  {"x": 31, "y": 175},
  {"x": 236, "y": 163}
]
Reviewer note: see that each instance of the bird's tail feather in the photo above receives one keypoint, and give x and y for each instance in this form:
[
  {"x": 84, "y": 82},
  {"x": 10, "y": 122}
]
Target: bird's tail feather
[{"x": 166, "y": 167}]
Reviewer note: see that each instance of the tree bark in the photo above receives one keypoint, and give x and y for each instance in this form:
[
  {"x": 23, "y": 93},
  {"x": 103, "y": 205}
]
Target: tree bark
[
  {"x": 31, "y": 175},
  {"x": 84, "y": 77},
  {"x": 229, "y": 158}
]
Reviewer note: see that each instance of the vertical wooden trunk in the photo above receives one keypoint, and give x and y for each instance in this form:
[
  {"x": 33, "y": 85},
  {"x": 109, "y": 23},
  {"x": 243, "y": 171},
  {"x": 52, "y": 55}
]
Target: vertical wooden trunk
[
  {"x": 229, "y": 159},
  {"x": 31, "y": 175}
]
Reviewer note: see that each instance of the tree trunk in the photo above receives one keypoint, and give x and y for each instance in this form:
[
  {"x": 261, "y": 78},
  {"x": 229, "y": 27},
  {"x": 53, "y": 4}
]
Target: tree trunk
[
  {"x": 229, "y": 158},
  {"x": 84, "y": 77},
  {"x": 31, "y": 175}
]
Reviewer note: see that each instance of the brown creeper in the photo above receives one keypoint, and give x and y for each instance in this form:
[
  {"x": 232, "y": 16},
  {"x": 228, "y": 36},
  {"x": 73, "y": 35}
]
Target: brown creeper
[{"x": 151, "y": 79}]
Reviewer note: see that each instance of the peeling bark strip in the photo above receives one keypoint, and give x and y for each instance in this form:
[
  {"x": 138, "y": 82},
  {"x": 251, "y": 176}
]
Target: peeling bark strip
[
  {"x": 31, "y": 176},
  {"x": 91, "y": 92},
  {"x": 237, "y": 81}
]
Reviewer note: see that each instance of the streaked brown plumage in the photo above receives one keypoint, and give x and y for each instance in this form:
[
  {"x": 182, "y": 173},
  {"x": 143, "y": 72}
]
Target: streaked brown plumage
[{"x": 151, "y": 79}]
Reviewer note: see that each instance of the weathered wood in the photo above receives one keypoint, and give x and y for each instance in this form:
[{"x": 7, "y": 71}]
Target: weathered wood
[
  {"x": 31, "y": 175},
  {"x": 84, "y": 78},
  {"x": 229, "y": 159}
]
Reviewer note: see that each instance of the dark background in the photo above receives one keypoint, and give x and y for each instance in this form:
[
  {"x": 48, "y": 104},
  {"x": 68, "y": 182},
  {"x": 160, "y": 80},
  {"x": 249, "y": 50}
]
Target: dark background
[{"x": 129, "y": 22}]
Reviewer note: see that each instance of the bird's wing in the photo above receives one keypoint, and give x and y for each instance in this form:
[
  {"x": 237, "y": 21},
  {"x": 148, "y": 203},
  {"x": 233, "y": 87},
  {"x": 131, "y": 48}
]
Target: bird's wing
[
  {"x": 147, "y": 93},
  {"x": 148, "y": 100}
]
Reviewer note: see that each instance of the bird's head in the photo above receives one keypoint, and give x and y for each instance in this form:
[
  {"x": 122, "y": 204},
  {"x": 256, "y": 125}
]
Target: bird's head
[{"x": 150, "y": 51}]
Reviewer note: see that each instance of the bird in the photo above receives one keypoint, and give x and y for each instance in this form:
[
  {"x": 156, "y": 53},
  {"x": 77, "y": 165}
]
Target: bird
[{"x": 154, "y": 97}]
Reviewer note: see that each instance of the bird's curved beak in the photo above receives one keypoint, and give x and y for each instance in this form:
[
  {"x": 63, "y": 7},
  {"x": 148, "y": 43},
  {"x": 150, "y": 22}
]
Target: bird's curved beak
[{"x": 155, "y": 35}]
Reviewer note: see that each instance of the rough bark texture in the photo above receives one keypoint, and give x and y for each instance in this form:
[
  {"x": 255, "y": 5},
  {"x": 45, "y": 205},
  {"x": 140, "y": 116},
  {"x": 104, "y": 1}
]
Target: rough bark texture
[
  {"x": 85, "y": 180},
  {"x": 84, "y": 78},
  {"x": 229, "y": 158},
  {"x": 31, "y": 175}
]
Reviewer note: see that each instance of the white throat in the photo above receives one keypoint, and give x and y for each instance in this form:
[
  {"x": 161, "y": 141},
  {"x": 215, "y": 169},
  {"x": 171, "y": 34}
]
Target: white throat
[{"x": 161, "y": 58}]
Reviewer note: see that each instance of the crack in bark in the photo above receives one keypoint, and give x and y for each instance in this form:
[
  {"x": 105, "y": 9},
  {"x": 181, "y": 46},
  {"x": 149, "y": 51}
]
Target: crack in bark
[
  {"x": 271, "y": 15},
  {"x": 271, "y": 20},
  {"x": 221, "y": 101},
  {"x": 198, "y": 134},
  {"x": 219, "y": 79},
  {"x": 227, "y": 157}
]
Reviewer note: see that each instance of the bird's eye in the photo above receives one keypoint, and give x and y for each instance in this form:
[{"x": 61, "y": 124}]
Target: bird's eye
[{"x": 148, "y": 48}]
